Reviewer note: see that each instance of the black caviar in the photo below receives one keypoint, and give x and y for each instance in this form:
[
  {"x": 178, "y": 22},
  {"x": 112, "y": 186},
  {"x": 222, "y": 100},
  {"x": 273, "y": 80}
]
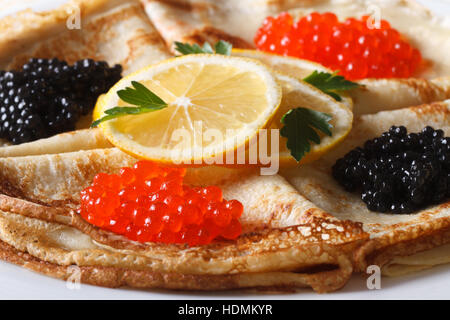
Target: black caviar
[
  {"x": 48, "y": 96},
  {"x": 398, "y": 172}
]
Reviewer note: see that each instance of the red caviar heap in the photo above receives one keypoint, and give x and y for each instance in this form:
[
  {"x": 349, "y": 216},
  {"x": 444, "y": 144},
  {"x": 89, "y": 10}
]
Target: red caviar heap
[
  {"x": 150, "y": 203},
  {"x": 357, "y": 48}
]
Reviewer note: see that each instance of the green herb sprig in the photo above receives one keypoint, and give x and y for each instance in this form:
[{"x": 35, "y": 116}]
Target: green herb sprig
[
  {"x": 140, "y": 96},
  {"x": 330, "y": 83},
  {"x": 221, "y": 47},
  {"x": 300, "y": 124},
  {"x": 299, "y": 129}
]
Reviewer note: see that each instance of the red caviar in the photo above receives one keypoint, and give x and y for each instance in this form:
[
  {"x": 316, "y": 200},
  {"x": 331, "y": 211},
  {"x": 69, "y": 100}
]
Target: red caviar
[
  {"x": 358, "y": 48},
  {"x": 150, "y": 203}
]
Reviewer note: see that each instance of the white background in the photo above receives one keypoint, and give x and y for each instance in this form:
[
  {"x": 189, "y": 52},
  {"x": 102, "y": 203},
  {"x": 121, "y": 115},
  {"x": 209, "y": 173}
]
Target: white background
[{"x": 19, "y": 283}]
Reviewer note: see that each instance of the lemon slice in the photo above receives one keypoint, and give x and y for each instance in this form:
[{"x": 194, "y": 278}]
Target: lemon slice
[
  {"x": 97, "y": 113},
  {"x": 215, "y": 105},
  {"x": 294, "y": 67},
  {"x": 297, "y": 93}
]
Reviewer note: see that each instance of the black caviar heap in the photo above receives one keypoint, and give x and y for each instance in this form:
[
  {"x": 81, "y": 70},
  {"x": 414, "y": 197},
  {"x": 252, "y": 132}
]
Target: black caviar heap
[
  {"x": 48, "y": 96},
  {"x": 398, "y": 172}
]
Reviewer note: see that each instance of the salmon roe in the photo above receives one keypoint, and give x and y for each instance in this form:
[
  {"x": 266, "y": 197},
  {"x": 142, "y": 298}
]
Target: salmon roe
[
  {"x": 358, "y": 48},
  {"x": 149, "y": 203}
]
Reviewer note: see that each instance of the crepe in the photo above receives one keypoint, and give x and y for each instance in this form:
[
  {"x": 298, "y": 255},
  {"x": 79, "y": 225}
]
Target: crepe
[
  {"x": 424, "y": 260},
  {"x": 139, "y": 44},
  {"x": 237, "y": 21},
  {"x": 37, "y": 223},
  {"x": 85, "y": 139},
  {"x": 295, "y": 233},
  {"x": 389, "y": 94},
  {"x": 114, "y": 31},
  {"x": 376, "y": 95},
  {"x": 391, "y": 235},
  {"x": 300, "y": 228},
  {"x": 373, "y": 95}
]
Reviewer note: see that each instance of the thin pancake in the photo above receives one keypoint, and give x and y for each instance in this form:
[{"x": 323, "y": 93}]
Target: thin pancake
[
  {"x": 85, "y": 139},
  {"x": 374, "y": 95},
  {"x": 389, "y": 94},
  {"x": 106, "y": 272},
  {"x": 39, "y": 193},
  {"x": 114, "y": 31},
  {"x": 320, "y": 208},
  {"x": 391, "y": 235},
  {"x": 237, "y": 21},
  {"x": 400, "y": 266}
]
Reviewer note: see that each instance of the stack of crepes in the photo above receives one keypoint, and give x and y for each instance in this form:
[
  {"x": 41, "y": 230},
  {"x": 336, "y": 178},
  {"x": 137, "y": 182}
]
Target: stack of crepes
[{"x": 301, "y": 229}]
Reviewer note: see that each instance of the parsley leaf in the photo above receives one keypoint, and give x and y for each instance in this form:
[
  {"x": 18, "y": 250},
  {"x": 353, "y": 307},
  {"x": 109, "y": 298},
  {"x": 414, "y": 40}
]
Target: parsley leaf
[
  {"x": 185, "y": 48},
  {"x": 330, "y": 83},
  {"x": 299, "y": 128},
  {"x": 221, "y": 47},
  {"x": 140, "y": 96}
]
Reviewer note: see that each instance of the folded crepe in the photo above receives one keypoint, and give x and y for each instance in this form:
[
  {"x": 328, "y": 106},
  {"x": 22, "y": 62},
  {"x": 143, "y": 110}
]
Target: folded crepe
[
  {"x": 114, "y": 31},
  {"x": 300, "y": 228},
  {"x": 374, "y": 94},
  {"x": 118, "y": 32},
  {"x": 392, "y": 236},
  {"x": 388, "y": 94},
  {"x": 307, "y": 233},
  {"x": 40, "y": 230},
  {"x": 237, "y": 21}
]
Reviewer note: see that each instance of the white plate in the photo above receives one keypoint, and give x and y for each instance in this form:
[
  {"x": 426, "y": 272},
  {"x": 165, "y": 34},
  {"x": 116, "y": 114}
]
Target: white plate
[{"x": 19, "y": 283}]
